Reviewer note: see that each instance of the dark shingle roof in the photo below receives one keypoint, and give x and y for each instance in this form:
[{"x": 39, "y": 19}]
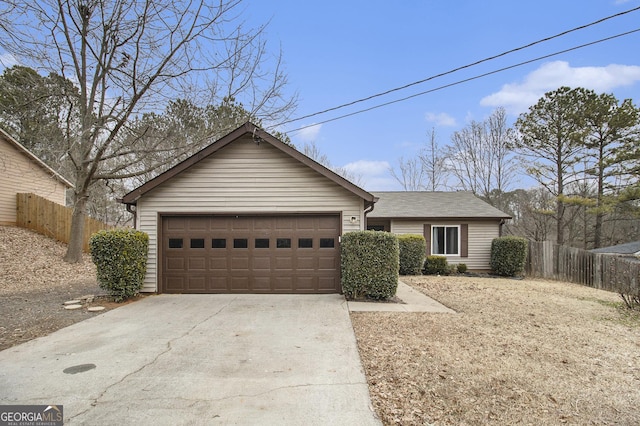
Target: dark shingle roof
[
  {"x": 628, "y": 248},
  {"x": 422, "y": 204}
]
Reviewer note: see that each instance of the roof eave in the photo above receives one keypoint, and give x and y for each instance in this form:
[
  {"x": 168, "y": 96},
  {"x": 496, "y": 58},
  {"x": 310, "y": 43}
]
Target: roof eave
[
  {"x": 258, "y": 135},
  {"x": 33, "y": 157}
]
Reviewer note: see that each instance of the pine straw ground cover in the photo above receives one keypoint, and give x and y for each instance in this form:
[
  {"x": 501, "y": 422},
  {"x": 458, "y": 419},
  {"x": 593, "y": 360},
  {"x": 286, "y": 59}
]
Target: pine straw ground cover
[
  {"x": 34, "y": 284},
  {"x": 517, "y": 352}
]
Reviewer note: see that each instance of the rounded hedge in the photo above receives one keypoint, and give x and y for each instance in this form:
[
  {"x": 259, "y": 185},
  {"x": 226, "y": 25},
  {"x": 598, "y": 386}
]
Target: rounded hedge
[
  {"x": 436, "y": 265},
  {"x": 120, "y": 256},
  {"x": 508, "y": 255},
  {"x": 413, "y": 248}
]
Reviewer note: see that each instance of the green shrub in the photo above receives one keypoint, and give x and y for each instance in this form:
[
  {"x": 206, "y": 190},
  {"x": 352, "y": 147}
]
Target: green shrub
[
  {"x": 508, "y": 255},
  {"x": 436, "y": 265},
  {"x": 413, "y": 248},
  {"x": 462, "y": 268},
  {"x": 369, "y": 262},
  {"x": 120, "y": 256}
]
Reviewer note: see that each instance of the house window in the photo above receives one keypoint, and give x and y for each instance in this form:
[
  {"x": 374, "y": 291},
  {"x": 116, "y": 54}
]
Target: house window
[{"x": 445, "y": 240}]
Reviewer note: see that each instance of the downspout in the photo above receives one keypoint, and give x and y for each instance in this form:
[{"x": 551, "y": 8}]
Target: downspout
[
  {"x": 368, "y": 209},
  {"x": 133, "y": 212}
]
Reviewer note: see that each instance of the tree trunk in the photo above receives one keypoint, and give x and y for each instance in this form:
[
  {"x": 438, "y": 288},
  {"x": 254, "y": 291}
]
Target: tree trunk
[
  {"x": 598, "y": 230},
  {"x": 76, "y": 237},
  {"x": 560, "y": 223}
]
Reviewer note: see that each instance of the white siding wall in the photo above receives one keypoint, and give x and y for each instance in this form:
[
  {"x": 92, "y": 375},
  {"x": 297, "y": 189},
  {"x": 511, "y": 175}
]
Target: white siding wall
[
  {"x": 19, "y": 173},
  {"x": 244, "y": 178},
  {"x": 481, "y": 233}
]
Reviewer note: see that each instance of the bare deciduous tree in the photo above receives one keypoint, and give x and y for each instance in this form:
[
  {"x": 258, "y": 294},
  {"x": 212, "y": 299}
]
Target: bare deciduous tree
[
  {"x": 130, "y": 57},
  {"x": 427, "y": 171},
  {"x": 434, "y": 164},
  {"x": 411, "y": 175},
  {"x": 480, "y": 157},
  {"x": 312, "y": 151}
]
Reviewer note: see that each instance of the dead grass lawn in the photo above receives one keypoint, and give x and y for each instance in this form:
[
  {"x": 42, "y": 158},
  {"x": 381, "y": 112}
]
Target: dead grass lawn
[{"x": 517, "y": 352}]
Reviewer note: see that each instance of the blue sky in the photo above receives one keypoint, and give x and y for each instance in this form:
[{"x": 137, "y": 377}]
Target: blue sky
[{"x": 339, "y": 51}]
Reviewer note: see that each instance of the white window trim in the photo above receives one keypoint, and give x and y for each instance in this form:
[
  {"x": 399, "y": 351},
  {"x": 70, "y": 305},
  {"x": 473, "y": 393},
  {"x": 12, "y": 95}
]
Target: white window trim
[{"x": 446, "y": 226}]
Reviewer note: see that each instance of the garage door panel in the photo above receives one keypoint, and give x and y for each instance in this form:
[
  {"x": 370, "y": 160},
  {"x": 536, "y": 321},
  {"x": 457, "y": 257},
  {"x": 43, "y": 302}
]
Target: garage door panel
[
  {"x": 283, "y": 263},
  {"x": 175, "y": 284},
  {"x": 306, "y": 263},
  {"x": 283, "y": 284},
  {"x": 197, "y": 284},
  {"x": 175, "y": 264},
  {"x": 262, "y": 284},
  {"x": 175, "y": 223},
  {"x": 239, "y": 285},
  {"x": 218, "y": 264},
  {"x": 197, "y": 264},
  {"x": 326, "y": 262},
  {"x": 240, "y": 263},
  {"x": 219, "y": 284},
  {"x": 198, "y": 224},
  {"x": 306, "y": 283},
  {"x": 261, "y": 264},
  {"x": 251, "y": 254},
  {"x": 327, "y": 284}
]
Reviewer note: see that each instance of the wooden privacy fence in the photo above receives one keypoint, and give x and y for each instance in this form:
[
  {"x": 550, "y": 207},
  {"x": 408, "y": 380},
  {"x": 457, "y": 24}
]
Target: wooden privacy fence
[
  {"x": 52, "y": 219},
  {"x": 602, "y": 271}
]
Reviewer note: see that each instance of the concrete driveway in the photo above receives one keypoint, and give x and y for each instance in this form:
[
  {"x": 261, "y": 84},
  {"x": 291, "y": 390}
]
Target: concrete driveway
[{"x": 198, "y": 359}]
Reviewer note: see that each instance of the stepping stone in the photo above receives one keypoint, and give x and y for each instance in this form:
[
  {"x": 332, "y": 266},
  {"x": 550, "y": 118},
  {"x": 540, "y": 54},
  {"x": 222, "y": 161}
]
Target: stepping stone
[
  {"x": 95, "y": 308},
  {"x": 72, "y": 307},
  {"x": 72, "y": 302}
]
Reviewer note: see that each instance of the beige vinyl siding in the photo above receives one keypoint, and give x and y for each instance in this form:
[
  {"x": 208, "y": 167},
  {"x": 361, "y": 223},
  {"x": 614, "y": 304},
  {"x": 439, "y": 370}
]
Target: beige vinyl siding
[
  {"x": 20, "y": 173},
  {"x": 481, "y": 234},
  {"x": 244, "y": 177}
]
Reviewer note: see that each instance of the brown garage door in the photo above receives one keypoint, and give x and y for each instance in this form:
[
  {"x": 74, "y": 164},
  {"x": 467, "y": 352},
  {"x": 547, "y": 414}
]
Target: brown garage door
[{"x": 250, "y": 254}]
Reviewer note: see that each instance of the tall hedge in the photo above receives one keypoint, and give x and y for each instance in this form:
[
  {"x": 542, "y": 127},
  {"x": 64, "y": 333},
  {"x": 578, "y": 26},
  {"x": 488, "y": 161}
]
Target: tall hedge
[
  {"x": 369, "y": 262},
  {"x": 508, "y": 255},
  {"x": 413, "y": 249},
  {"x": 120, "y": 256}
]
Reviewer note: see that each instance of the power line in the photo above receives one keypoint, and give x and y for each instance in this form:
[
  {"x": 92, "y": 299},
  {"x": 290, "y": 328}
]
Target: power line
[
  {"x": 468, "y": 79},
  {"x": 458, "y": 68}
]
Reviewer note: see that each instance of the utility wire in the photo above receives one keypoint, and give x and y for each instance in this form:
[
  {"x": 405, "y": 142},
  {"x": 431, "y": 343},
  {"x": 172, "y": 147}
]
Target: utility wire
[
  {"x": 490, "y": 58},
  {"x": 468, "y": 79}
]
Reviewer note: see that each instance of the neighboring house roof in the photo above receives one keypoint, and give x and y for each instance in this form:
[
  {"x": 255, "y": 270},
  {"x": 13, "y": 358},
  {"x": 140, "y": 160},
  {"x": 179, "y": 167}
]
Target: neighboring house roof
[
  {"x": 259, "y": 136},
  {"x": 439, "y": 205},
  {"x": 628, "y": 248},
  {"x": 11, "y": 141}
]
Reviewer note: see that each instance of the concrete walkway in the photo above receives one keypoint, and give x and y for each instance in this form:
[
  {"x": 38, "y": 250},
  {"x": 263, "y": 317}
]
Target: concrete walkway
[
  {"x": 199, "y": 360},
  {"x": 414, "y": 301}
]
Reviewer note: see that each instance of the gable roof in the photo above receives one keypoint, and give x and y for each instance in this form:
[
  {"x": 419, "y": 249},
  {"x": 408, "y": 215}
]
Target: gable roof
[
  {"x": 31, "y": 156},
  {"x": 627, "y": 248},
  {"x": 259, "y": 136},
  {"x": 438, "y": 205}
]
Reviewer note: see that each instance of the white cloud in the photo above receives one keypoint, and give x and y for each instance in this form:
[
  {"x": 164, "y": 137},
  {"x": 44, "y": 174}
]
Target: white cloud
[
  {"x": 309, "y": 134},
  {"x": 7, "y": 60},
  {"x": 441, "y": 119},
  {"x": 518, "y": 97},
  {"x": 372, "y": 175},
  {"x": 368, "y": 167}
]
